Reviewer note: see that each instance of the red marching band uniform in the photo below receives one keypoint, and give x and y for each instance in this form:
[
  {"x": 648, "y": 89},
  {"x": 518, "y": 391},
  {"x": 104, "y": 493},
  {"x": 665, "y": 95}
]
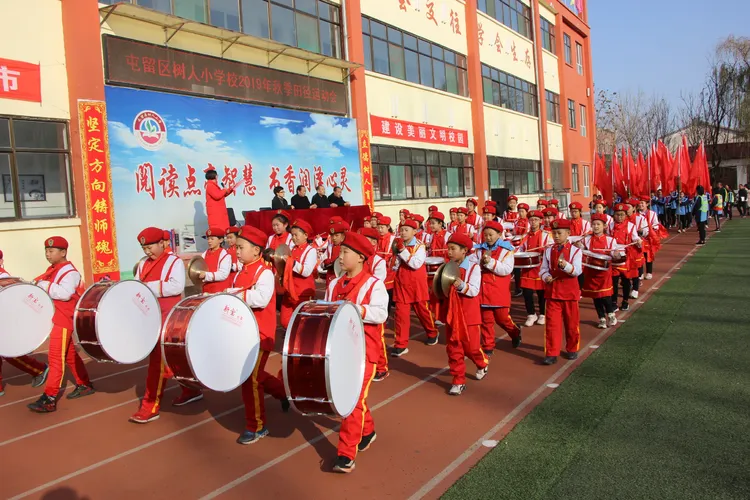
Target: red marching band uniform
[
  {"x": 438, "y": 247},
  {"x": 378, "y": 267},
  {"x": 299, "y": 275},
  {"x": 625, "y": 233},
  {"x": 232, "y": 250},
  {"x": 597, "y": 284},
  {"x": 535, "y": 241},
  {"x": 219, "y": 264}
]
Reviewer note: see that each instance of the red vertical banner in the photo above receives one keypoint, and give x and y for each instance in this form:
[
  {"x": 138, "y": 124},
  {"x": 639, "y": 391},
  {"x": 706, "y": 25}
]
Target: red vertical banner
[
  {"x": 366, "y": 161},
  {"x": 97, "y": 176}
]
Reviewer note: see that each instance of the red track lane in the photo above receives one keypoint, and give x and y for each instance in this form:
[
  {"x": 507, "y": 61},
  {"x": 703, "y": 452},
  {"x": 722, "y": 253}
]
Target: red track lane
[{"x": 426, "y": 439}]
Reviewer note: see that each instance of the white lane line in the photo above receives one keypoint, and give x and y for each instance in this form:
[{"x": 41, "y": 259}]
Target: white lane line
[{"x": 436, "y": 480}]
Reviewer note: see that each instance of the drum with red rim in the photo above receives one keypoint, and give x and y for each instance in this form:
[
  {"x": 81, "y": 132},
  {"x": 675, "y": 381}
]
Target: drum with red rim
[
  {"x": 211, "y": 341},
  {"x": 25, "y": 317},
  {"x": 432, "y": 264},
  {"x": 118, "y": 321},
  {"x": 619, "y": 256},
  {"x": 323, "y": 361},
  {"x": 516, "y": 240},
  {"x": 595, "y": 260},
  {"x": 527, "y": 260}
]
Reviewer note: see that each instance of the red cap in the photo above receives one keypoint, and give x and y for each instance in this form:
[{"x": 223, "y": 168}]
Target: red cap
[
  {"x": 377, "y": 215},
  {"x": 489, "y": 210},
  {"x": 536, "y": 213},
  {"x": 461, "y": 240},
  {"x": 304, "y": 226},
  {"x": 560, "y": 224},
  {"x": 410, "y": 223},
  {"x": 633, "y": 201},
  {"x": 359, "y": 243},
  {"x": 645, "y": 198},
  {"x": 338, "y": 227},
  {"x": 554, "y": 201},
  {"x": 368, "y": 218},
  {"x": 384, "y": 220},
  {"x": 432, "y": 208},
  {"x": 462, "y": 210},
  {"x": 232, "y": 230},
  {"x": 490, "y": 203},
  {"x": 253, "y": 235},
  {"x": 284, "y": 214},
  {"x": 334, "y": 219},
  {"x": 1, "y": 254},
  {"x": 621, "y": 207},
  {"x": 512, "y": 197},
  {"x": 369, "y": 232},
  {"x": 599, "y": 217},
  {"x": 541, "y": 202},
  {"x": 404, "y": 211},
  {"x": 215, "y": 231},
  {"x": 453, "y": 210},
  {"x": 601, "y": 202},
  {"x": 59, "y": 242},
  {"x": 417, "y": 218},
  {"x": 437, "y": 216},
  {"x": 550, "y": 212},
  {"x": 473, "y": 200},
  {"x": 494, "y": 225},
  {"x": 148, "y": 236},
  {"x": 524, "y": 206},
  {"x": 167, "y": 235},
  {"x": 575, "y": 206}
]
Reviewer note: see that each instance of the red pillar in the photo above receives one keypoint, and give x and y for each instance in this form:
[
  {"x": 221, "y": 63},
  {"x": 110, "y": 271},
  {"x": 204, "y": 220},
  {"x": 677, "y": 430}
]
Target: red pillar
[{"x": 474, "y": 67}]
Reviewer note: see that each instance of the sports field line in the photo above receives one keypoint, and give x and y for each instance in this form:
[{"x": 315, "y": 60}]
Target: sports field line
[{"x": 437, "y": 479}]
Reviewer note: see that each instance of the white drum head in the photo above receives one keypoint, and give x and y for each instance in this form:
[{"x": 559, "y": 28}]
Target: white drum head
[
  {"x": 128, "y": 322},
  {"x": 26, "y": 311},
  {"x": 223, "y": 342},
  {"x": 346, "y": 359},
  {"x": 434, "y": 261}
]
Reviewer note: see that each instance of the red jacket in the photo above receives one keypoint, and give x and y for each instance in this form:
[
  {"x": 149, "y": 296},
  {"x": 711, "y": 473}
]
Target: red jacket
[
  {"x": 565, "y": 284},
  {"x": 216, "y": 206},
  {"x": 265, "y": 316}
]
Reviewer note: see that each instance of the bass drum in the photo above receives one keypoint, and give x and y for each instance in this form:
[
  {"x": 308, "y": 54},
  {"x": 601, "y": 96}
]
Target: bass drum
[{"x": 25, "y": 317}]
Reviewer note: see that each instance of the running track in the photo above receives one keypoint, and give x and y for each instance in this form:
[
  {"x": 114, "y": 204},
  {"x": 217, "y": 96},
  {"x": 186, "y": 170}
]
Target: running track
[{"x": 426, "y": 439}]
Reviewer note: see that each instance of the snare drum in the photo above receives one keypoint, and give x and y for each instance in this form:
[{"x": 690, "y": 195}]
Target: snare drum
[
  {"x": 211, "y": 342},
  {"x": 323, "y": 361},
  {"x": 26, "y": 311},
  {"x": 517, "y": 240},
  {"x": 118, "y": 321},
  {"x": 432, "y": 264},
  {"x": 597, "y": 261},
  {"x": 527, "y": 260},
  {"x": 619, "y": 256}
]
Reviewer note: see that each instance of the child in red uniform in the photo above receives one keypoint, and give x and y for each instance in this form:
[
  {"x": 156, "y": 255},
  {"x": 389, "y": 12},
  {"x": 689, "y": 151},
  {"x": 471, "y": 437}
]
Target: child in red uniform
[
  {"x": 597, "y": 284},
  {"x": 36, "y": 369},
  {"x": 281, "y": 235},
  {"x": 336, "y": 230},
  {"x": 511, "y": 214},
  {"x": 437, "y": 246},
  {"x": 561, "y": 266},
  {"x": 462, "y": 316},
  {"x": 463, "y": 227},
  {"x": 63, "y": 284},
  {"x": 218, "y": 261},
  {"x": 495, "y": 257},
  {"x": 168, "y": 242},
  {"x": 231, "y": 239},
  {"x": 378, "y": 267},
  {"x": 164, "y": 274},
  {"x": 541, "y": 204},
  {"x": 386, "y": 253},
  {"x": 653, "y": 236},
  {"x": 453, "y": 224},
  {"x": 578, "y": 225},
  {"x": 641, "y": 226},
  {"x": 410, "y": 289},
  {"x": 472, "y": 217},
  {"x": 358, "y": 286},
  {"x": 550, "y": 214},
  {"x": 299, "y": 278},
  {"x": 554, "y": 203},
  {"x": 255, "y": 284},
  {"x": 625, "y": 233},
  {"x": 535, "y": 241}
]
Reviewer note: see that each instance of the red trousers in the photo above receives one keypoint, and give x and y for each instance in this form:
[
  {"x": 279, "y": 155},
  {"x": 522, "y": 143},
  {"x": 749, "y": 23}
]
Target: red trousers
[
  {"x": 458, "y": 349},
  {"x": 383, "y": 356},
  {"x": 62, "y": 351},
  {"x": 359, "y": 422},
  {"x": 501, "y": 316},
  {"x": 253, "y": 393},
  {"x": 561, "y": 314},
  {"x": 156, "y": 381},
  {"x": 25, "y": 364},
  {"x": 403, "y": 321}
]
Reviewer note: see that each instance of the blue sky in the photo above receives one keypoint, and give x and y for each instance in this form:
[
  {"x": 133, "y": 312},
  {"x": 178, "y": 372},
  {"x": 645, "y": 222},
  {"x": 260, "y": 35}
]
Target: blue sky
[{"x": 660, "y": 46}]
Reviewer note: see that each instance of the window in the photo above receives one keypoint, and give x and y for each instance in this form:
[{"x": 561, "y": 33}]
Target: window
[
  {"x": 35, "y": 169},
  {"x": 556, "y": 173},
  {"x": 312, "y": 25},
  {"x": 571, "y": 113},
  {"x": 568, "y": 54},
  {"x": 583, "y": 120},
  {"x": 407, "y": 173},
  {"x": 574, "y": 177},
  {"x": 519, "y": 176},
  {"x": 512, "y": 13},
  {"x": 553, "y": 106},
  {"x": 586, "y": 180},
  {"x": 393, "y": 52},
  {"x": 505, "y": 90},
  {"x": 548, "y": 35},
  {"x": 579, "y": 58}
]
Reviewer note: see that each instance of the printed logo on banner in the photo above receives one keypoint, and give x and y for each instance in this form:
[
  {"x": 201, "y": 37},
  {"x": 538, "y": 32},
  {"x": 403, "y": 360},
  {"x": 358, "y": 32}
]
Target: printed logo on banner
[{"x": 150, "y": 130}]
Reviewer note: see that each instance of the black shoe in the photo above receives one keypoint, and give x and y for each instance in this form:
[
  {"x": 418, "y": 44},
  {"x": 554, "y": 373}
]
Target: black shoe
[
  {"x": 431, "y": 340},
  {"x": 250, "y": 437},
  {"x": 549, "y": 360},
  {"x": 380, "y": 376},
  {"x": 624, "y": 306},
  {"x": 343, "y": 464},
  {"x": 366, "y": 441},
  {"x": 518, "y": 293},
  {"x": 516, "y": 342},
  {"x": 397, "y": 352},
  {"x": 81, "y": 391},
  {"x": 570, "y": 355},
  {"x": 285, "y": 405},
  {"x": 44, "y": 404},
  {"x": 40, "y": 379},
  {"x": 488, "y": 352}
]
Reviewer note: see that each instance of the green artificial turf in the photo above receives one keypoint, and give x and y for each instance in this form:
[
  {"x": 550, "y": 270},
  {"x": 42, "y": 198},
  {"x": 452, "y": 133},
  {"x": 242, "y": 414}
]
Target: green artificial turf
[{"x": 660, "y": 411}]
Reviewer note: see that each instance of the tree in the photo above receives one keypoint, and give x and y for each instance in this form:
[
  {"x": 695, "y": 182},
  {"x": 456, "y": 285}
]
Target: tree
[{"x": 631, "y": 120}]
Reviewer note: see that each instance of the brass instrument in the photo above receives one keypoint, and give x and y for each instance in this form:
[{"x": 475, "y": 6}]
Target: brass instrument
[
  {"x": 194, "y": 265},
  {"x": 135, "y": 267},
  {"x": 278, "y": 259},
  {"x": 445, "y": 277},
  {"x": 337, "y": 269}
]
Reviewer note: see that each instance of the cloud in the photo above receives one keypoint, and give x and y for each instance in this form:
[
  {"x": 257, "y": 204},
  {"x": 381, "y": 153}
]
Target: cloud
[
  {"x": 324, "y": 137},
  {"x": 121, "y": 174},
  {"x": 269, "y": 121},
  {"x": 193, "y": 120},
  {"x": 122, "y": 134}
]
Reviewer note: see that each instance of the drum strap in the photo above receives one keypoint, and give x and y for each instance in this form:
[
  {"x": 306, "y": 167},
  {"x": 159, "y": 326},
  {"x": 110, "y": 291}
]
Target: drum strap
[{"x": 148, "y": 267}]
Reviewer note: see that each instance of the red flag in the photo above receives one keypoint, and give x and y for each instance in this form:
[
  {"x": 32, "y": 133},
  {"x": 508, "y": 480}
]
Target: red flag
[
  {"x": 687, "y": 178},
  {"x": 603, "y": 179},
  {"x": 667, "y": 168},
  {"x": 700, "y": 167},
  {"x": 654, "y": 169},
  {"x": 643, "y": 180},
  {"x": 617, "y": 177}
]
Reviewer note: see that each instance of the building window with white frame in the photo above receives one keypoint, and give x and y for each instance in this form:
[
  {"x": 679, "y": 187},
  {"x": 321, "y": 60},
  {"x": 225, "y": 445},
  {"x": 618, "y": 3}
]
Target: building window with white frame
[
  {"x": 583, "y": 120},
  {"x": 586, "y": 180},
  {"x": 571, "y": 113},
  {"x": 574, "y": 176},
  {"x": 568, "y": 49},
  {"x": 579, "y": 58}
]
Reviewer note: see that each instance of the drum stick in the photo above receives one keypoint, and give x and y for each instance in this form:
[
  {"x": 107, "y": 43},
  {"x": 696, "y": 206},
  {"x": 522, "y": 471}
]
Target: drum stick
[
  {"x": 616, "y": 249},
  {"x": 539, "y": 248}
]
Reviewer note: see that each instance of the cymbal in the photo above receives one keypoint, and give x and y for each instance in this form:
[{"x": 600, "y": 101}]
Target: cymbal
[
  {"x": 445, "y": 276},
  {"x": 337, "y": 268}
]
